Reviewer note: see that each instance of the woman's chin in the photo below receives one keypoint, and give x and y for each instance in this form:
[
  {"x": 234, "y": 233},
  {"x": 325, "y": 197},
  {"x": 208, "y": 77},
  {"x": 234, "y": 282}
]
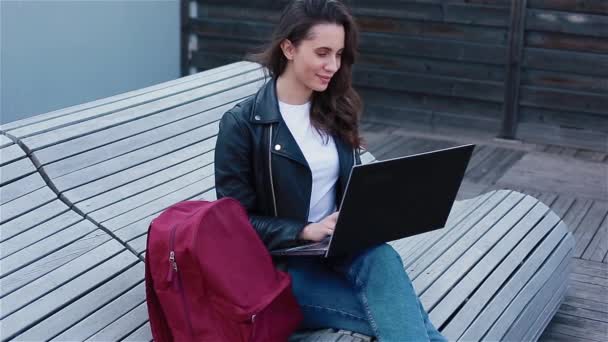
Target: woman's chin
[{"x": 320, "y": 87}]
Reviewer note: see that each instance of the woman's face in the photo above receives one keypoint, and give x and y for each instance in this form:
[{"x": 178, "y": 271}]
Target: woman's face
[{"x": 317, "y": 58}]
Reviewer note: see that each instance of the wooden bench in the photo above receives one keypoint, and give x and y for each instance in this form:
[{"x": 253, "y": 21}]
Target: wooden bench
[{"x": 80, "y": 185}]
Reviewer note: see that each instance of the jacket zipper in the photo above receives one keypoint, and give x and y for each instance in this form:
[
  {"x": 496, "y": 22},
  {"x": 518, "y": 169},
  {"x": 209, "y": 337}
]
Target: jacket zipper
[
  {"x": 274, "y": 201},
  {"x": 180, "y": 287}
]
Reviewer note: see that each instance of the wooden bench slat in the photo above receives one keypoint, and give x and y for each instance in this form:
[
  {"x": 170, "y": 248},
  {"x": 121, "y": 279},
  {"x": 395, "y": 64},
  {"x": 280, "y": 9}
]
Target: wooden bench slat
[
  {"x": 126, "y": 177},
  {"x": 135, "y": 233},
  {"x": 134, "y": 143},
  {"x": 461, "y": 209},
  {"x": 457, "y": 232},
  {"x": 561, "y": 257},
  {"x": 26, "y": 203},
  {"x": 405, "y": 246},
  {"x": 135, "y": 229},
  {"x": 21, "y": 187},
  {"x": 117, "y": 195},
  {"x": 121, "y": 116},
  {"x": 57, "y": 129},
  {"x": 544, "y": 318},
  {"x": 153, "y": 158},
  {"x": 5, "y": 141},
  {"x": 456, "y": 216},
  {"x": 410, "y": 251},
  {"x": 32, "y": 219},
  {"x": 51, "y": 302},
  {"x": 138, "y": 244},
  {"x": 65, "y": 255},
  {"x": 473, "y": 279},
  {"x": 91, "y": 324},
  {"x": 123, "y": 326},
  {"x": 147, "y": 168},
  {"x": 493, "y": 307},
  {"x": 482, "y": 295},
  {"x": 84, "y": 306},
  {"x": 177, "y": 117},
  {"x": 15, "y": 170},
  {"x": 426, "y": 241},
  {"x": 429, "y": 253},
  {"x": 38, "y": 233},
  {"x": 143, "y": 333},
  {"x": 478, "y": 250},
  {"x": 130, "y": 203},
  {"x": 10, "y": 154},
  {"x": 208, "y": 195},
  {"x": 88, "y": 105},
  {"x": 160, "y": 204},
  {"x": 545, "y": 303},
  {"x": 45, "y": 246}
]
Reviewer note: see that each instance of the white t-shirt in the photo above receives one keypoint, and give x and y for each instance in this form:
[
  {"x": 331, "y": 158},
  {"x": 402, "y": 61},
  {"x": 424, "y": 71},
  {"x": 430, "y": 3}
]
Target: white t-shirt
[{"x": 322, "y": 159}]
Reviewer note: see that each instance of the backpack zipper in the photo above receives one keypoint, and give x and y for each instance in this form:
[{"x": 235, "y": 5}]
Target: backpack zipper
[
  {"x": 180, "y": 288},
  {"x": 172, "y": 262}
]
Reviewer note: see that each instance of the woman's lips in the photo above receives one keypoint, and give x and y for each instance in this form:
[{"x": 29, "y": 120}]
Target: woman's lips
[{"x": 324, "y": 79}]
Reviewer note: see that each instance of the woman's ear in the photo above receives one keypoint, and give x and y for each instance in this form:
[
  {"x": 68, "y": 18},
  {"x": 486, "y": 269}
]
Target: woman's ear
[{"x": 288, "y": 49}]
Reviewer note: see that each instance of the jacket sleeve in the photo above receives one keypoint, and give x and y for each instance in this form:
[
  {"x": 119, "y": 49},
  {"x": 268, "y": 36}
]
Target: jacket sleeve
[{"x": 234, "y": 178}]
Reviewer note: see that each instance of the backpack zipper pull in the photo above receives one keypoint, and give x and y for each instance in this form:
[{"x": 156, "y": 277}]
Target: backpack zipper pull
[
  {"x": 172, "y": 263},
  {"x": 172, "y": 266}
]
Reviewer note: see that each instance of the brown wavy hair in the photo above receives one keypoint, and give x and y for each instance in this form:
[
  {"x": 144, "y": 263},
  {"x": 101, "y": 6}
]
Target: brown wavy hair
[{"x": 336, "y": 110}]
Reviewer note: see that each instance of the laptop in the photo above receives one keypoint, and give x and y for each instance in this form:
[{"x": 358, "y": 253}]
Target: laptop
[{"x": 393, "y": 199}]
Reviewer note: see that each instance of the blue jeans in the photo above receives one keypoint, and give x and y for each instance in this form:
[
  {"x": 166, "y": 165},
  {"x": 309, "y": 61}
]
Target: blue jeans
[{"x": 369, "y": 293}]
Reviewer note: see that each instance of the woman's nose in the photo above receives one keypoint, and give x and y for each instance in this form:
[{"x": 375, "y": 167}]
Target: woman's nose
[{"x": 332, "y": 65}]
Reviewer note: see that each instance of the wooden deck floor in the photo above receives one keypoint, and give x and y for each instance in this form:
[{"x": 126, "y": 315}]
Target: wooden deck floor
[{"x": 574, "y": 183}]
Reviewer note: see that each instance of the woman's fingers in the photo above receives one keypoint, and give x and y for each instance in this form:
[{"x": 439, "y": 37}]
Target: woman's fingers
[{"x": 331, "y": 220}]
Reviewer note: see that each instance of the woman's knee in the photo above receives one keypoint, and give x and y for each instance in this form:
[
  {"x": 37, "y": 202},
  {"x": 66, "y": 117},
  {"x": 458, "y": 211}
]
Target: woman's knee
[
  {"x": 383, "y": 253},
  {"x": 381, "y": 260}
]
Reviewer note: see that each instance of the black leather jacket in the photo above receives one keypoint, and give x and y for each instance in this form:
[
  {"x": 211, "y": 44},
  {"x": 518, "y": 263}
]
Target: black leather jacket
[{"x": 259, "y": 163}]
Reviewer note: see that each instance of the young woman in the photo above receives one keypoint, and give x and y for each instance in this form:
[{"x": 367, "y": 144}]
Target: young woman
[{"x": 286, "y": 154}]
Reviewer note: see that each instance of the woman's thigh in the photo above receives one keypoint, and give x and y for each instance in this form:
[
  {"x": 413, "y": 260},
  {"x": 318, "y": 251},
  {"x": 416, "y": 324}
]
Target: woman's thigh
[{"x": 326, "y": 298}]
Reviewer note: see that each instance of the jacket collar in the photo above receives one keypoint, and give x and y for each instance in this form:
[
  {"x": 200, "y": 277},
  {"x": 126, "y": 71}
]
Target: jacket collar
[
  {"x": 266, "y": 104},
  {"x": 266, "y": 110}
]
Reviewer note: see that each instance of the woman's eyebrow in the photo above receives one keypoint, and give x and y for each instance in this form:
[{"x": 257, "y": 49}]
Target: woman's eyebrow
[{"x": 328, "y": 48}]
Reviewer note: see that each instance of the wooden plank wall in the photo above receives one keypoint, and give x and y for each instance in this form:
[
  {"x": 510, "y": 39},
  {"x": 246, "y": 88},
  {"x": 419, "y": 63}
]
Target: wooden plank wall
[
  {"x": 564, "y": 79},
  {"x": 443, "y": 62}
]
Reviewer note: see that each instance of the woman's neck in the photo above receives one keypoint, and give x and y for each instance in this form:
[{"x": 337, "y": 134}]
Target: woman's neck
[{"x": 292, "y": 91}]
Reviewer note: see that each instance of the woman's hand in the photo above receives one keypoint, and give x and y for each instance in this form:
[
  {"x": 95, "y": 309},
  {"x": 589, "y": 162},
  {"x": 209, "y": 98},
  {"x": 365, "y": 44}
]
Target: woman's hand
[{"x": 319, "y": 230}]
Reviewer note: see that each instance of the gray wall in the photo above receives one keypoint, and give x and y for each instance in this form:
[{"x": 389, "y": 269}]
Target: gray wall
[{"x": 55, "y": 54}]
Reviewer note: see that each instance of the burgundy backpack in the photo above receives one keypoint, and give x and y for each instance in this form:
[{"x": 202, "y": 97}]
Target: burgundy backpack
[{"x": 209, "y": 277}]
